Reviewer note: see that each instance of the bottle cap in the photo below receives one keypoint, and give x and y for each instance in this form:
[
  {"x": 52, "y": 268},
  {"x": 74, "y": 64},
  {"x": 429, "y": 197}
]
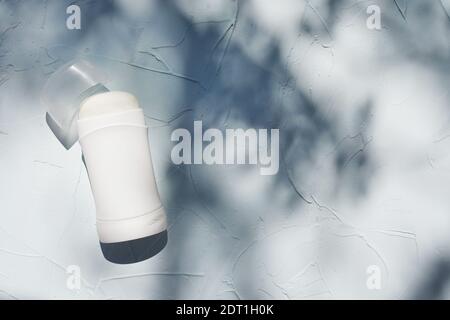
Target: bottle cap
[{"x": 63, "y": 93}]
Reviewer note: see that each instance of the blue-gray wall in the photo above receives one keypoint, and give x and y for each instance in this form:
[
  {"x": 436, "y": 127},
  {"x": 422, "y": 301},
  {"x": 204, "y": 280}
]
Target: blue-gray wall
[{"x": 364, "y": 173}]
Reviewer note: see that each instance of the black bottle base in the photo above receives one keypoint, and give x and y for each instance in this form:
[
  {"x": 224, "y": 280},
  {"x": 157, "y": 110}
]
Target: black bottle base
[{"x": 136, "y": 250}]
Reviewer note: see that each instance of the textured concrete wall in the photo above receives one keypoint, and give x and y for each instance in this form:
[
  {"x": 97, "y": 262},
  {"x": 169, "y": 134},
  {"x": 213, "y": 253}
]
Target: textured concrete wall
[{"x": 364, "y": 121}]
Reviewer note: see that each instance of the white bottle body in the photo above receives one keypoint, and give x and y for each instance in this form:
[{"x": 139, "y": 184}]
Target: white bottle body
[{"x": 114, "y": 142}]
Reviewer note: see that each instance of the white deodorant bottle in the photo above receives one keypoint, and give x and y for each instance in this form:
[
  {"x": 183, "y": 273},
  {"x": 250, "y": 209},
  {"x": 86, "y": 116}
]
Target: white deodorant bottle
[{"x": 130, "y": 219}]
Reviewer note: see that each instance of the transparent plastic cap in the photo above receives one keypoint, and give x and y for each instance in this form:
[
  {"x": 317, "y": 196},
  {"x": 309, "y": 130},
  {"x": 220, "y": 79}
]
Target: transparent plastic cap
[{"x": 63, "y": 93}]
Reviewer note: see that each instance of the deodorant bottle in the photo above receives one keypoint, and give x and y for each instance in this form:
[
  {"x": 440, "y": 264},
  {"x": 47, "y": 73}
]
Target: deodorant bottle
[
  {"x": 131, "y": 221},
  {"x": 111, "y": 129}
]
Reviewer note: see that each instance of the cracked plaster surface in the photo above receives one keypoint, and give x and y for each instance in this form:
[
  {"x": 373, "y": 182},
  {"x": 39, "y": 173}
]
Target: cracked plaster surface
[{"x": 364, "y": 167}]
